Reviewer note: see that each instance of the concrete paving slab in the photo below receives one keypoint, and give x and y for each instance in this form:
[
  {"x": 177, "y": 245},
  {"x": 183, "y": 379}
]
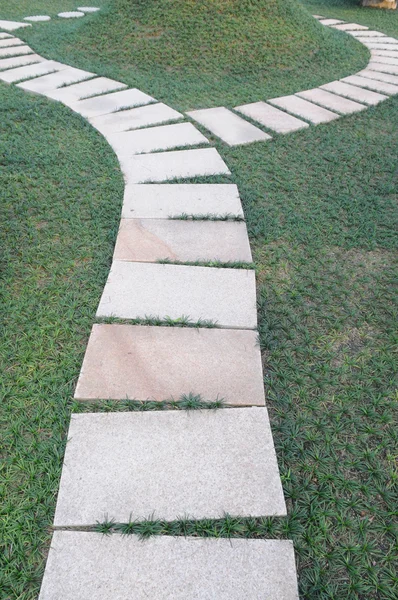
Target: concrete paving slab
[
  {"x": 329, "y": 22},
  {"x": 379, "y": 76},
  {"x": 148, "y": 240},
  {"x": 19, "y": 61},
  {"x": 157, "y": 363},
  {"x": 230, "y": 128},
  {"x": 78, "y": 91},
  {"x": 29, "y": 71},
  {"x": 153, "y": 201},
  {"x": 367, "y": 34},
  {"x": 109, "y": 103},
  {"x": 385, "y": 60},
  {"x": 272, "y": 117},
  {"x": 73, "y": 14},
  {"x": 350, "y": 27},
  {"x": 144, "y": 116},
  {"x": 11, "y": 41},
  {"x": 13, "y": 25},
  {"x": 202, "y": 464},
  {"x": 373, "y": 46},
  {"x": 331, "y": 101},
  {"x": 354, "y": 92},
  {"x": 136, "y": 290},
  {"x": 47, "y": 83},
  {"x": 4, "y": 35},
  {"x": 372, "y": 84},
  {"x": 383, "y": 39},
  {"x": 164, "y": 166},
  {"x": 164, "y": 137},
  {"x": 392, "y": 54},
  {"x": 383, "y": 68},
  {"x": 88, "y": 9},
  {"x": 37, "y": 18},
  {"x": 311, "y": 112},
  {"x": 15, "y": 51},
  {"x": 83, "y": 566}
]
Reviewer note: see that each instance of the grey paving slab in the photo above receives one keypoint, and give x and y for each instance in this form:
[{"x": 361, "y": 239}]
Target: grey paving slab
[
  {"x": 13, "y": 25},
  {"x": 302, "y": 108},
  {"x": 350, "y": 27},
  {"x": 168, "y": 463},
  {"x": 78, "y": 91},
  {"x": 4, "y": 35},
  {"x": 354, "y": 92},
  {"x": 18, "y": 61},
  {"x": 109, "y": 103},
  {"x": 376, "y": 66},
  {"x": 37, "y": 18},
  {"x": 136, "y": 290},
  {"x": 388, "y": 78},
  {"x": 385, "y": 60},
  {"x": 392, "y": 53},
  {"x": 372, "y": 84},
  {"x": 367, "y": 34},
  {"x": 164, "y": 166},
  {"x": 15, "y": 51},
  {"x": 30, "y": 71},
  {"x": 9, "y": 42},
  {"x": 47, "y": 83},
  {"x": 331, "y": 101},
  {"x": 377, "y": 40},
  {"x": 157, "y": 363},
  {"x": 148, "y": 240},
  {"x": 88, "y": 9},
  {"x": 144, "y": 116},
  {"x": 223, "y": 123},
  {"x": 83, "y": 566},
  {"x": 329, "y": 22},
  {"x": 272, "y": 117},
  {"x": 164, "y": 137},
  {"x": 153, "y": 201},
  {"x": 73, "y": 14},
  {"x": 373, "y": 46}
]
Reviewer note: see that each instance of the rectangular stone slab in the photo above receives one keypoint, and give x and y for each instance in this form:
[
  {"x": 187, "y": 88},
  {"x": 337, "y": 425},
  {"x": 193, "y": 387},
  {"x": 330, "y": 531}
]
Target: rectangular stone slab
[
  {"x": 78, "y": 91},
  {"x": 332, "y": 101},
  {"x": 89, "y": 566},
  {"x": 354, "y": 92},
  {"x": 109, "y": 103},
  {"x": 372, "y": 84},
  {"x": 272, "y": 117},
  {"x": 379, "y": 76},
  {"x": 8, "y": 42},
  {"x": 148, "y": 240},
  {"x": 3, "y": 35},
  {"x": 165, "y": 137},
  {"x": 157, "y": 363},
  {"x": 19, "y": 61},
  {"x": 144, "y": 116},
  {"x": 13, "y": 25},
  {"x": 29, "y": 71},
  {"x": 223, "y": 123},
  {"x": 367, "y": 34},
  {"x": 387, "y": 68},
  {"x": 390, "y": 53},
  {"x": 383, "y": 39},
  {"x": 178, "y": 164},
  {"x": 47, "y": 83},
  {"x": 329, "y": 22},
  {"x": 350, "y": 27},
  {"x": 385, "y": 60},
  {"x": 15, "y": 51},
  {"x": 373, "y": 46},
  {"x": 137, "y": 290},
  {"x": 311, "y": 112},
  {"x": 198, "y": 463},
  {"x": 152, "y": 201}
]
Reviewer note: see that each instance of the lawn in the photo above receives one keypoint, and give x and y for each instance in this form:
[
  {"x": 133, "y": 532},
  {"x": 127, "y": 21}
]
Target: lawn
[{"x": 322, "y": 218}]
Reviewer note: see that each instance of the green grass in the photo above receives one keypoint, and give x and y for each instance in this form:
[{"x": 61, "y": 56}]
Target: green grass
[{"x": 322, "y": 218}]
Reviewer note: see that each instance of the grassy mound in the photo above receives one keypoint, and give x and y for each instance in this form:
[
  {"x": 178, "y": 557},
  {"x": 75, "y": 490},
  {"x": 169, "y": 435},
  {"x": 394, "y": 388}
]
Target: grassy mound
[{"x": 204, "y": 52}]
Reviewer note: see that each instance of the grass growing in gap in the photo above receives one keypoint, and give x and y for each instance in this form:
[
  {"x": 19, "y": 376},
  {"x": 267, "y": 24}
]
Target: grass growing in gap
[
  {"x": 188, "y": 401},
  {"x": 208, "y": 263},
  {"x": 206, "y": 217},
  {"x": 183, "y": 321}
]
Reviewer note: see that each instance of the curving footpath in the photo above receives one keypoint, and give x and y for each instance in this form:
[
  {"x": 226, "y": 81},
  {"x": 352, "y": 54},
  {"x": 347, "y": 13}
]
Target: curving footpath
[{"x": 130, "y": 466}]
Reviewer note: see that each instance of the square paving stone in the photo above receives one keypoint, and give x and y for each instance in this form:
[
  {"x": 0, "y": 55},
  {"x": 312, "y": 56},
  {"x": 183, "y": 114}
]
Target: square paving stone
[
  {"x": 198, "y": 463},
  {"x": 379, "y": 76},
  {"x": 73, "y": 93},
  {"x": 331, "y": 101},
  {"x": 109, "y": 103},
  {"x": 29, "y": 71},
  {"x": 372, "y": 84},
  {"x": 272, "y": 117},
  {"x": 47, "y": 83},
  {"x": 152, "y": 201},
  {"x": 128, "y": 143},
  {"x": 311, "y": 112},
  {"x": 148, "y": 240},
  {"x": 13, "y": 25},
  {"x": 19, "y": 61},
  {"x": 233, "y": 130},
  {"x": 144, "y": 116},
  {"x": 87, "y": 566},
  {"x": 137, "y": 290},
  {"x": 354, "y": 92},
  {"x": 157, "y": 363},
  {"x": 178, "y": 164},
  {"x": 15, "y": 51},
  {"x": 11, "y": 41}
]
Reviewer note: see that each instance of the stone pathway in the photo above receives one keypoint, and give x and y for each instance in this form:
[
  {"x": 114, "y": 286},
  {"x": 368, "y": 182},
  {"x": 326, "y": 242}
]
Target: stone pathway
[{"x": 165, "y": 464}]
